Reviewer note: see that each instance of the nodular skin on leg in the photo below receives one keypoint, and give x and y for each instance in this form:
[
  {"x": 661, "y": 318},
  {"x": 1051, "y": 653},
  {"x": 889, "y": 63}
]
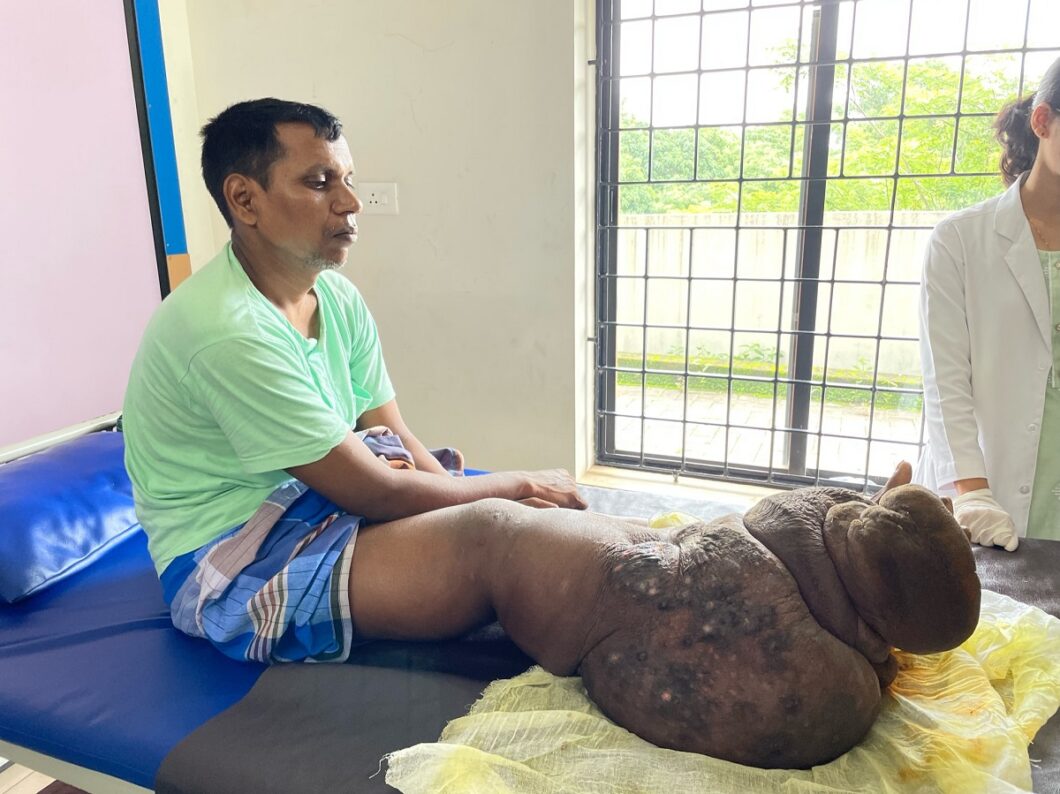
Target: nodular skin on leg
[{"x": 763, "y": 639}]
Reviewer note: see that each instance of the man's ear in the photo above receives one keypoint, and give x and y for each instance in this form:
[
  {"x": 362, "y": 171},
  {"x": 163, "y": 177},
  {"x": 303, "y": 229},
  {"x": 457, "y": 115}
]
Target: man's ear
[{"x": 240, "y": 192}]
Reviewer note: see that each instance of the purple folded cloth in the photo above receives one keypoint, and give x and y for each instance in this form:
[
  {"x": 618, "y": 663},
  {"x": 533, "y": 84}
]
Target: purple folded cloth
[{"x": 390, "y": 447}]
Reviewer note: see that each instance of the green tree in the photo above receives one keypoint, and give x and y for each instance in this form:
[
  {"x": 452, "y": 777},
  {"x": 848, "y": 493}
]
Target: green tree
[{"x": 935, "y": 158}]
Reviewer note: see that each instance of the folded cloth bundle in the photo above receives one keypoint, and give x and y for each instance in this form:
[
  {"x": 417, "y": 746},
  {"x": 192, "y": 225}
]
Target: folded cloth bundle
[
  {"x": 389, "y": 448},
  {"x": 954, "y": 721}
]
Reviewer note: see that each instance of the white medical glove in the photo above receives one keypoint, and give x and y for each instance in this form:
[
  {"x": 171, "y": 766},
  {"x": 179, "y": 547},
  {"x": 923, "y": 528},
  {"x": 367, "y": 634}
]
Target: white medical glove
[{"x": 986, "y": 520}]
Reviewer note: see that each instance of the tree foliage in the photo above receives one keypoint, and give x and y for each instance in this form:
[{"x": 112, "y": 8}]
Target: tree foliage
[{"x": 936, "y": 163}]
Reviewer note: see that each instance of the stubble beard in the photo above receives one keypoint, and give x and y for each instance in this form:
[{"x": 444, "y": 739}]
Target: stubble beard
[{"x": 318, "y": 264}]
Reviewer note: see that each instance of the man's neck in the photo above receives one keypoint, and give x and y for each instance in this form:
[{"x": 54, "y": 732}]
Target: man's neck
[{"x": 287, "y": 285}]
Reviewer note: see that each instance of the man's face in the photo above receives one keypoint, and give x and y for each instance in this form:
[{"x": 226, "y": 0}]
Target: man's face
[{"x": 308, "y": 212}]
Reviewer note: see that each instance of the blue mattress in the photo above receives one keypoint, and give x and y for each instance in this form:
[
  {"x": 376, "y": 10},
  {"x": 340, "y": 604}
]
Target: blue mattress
[{"x": 92, "y": 671}]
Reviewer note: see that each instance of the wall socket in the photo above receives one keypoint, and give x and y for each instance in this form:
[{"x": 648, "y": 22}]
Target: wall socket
[{"x": 378, "y": 198}]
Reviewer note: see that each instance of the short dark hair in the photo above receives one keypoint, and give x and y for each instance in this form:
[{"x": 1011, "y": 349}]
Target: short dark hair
[{"x": 242, "y": 140}]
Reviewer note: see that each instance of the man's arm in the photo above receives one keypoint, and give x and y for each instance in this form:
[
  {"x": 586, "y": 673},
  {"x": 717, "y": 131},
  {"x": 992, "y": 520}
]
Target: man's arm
[
  {"x": 388, "y": 414},
  {"x": 352, "y": 477}
]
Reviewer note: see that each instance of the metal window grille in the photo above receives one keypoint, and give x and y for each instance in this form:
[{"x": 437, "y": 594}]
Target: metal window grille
[{"x": 768, "y": 171}]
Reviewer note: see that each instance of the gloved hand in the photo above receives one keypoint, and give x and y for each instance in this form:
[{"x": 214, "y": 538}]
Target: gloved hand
[{"x": 986, "y": 520}]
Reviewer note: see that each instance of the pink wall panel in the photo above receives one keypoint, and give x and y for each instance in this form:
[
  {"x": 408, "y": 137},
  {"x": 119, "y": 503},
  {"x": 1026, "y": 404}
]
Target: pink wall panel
[{"x": 78, "y": 276}]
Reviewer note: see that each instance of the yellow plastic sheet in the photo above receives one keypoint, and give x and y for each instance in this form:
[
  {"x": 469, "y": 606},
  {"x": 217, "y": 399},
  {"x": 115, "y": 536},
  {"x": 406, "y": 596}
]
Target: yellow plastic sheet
[{"x": 958, "y": 721}]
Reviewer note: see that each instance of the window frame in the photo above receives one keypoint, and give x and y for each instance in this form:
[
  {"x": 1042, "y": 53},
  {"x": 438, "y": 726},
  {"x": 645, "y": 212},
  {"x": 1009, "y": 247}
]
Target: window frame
[{"x": 818, "y": 124}]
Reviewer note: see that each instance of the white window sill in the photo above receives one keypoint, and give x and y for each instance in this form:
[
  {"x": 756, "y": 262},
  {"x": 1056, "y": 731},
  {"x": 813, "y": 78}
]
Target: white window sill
[{"x": 685, "y": 487}]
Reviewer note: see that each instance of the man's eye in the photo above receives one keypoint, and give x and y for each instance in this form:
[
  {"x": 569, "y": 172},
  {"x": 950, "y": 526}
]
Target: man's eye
[{"x": 317, "y": 184}]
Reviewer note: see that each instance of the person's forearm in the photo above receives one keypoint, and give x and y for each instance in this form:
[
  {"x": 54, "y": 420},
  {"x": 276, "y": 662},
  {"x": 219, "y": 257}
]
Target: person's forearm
[
  {"x": 354, "y": 479},
  {"x": 361, "y": 485},
  {"x": 397, "y": 494},
  {"x": 421, "y": 456},
  {"x": 970, "y": 484},
  {"x": 410, "y": 493}
]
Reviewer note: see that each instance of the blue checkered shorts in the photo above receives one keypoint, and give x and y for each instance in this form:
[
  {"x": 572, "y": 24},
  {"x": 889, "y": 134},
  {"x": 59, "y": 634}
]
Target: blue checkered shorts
[{"x": 275, "y": 589}]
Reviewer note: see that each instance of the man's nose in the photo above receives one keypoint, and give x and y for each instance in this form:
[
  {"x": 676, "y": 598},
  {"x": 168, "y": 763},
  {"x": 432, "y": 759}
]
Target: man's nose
[{"x": 348, "y": 201}]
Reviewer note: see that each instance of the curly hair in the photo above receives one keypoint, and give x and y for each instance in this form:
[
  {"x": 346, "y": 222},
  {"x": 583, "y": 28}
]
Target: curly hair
[{"x": 1013, "y": 125}]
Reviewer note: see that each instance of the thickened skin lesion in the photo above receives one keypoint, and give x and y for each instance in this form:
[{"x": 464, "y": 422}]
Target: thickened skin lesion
[{"x": 766, "y": 639}]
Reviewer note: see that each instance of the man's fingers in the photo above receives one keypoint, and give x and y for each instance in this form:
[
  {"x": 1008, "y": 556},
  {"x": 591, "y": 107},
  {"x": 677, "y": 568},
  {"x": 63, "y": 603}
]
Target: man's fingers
[
  {"x": 557, "y": 485},
  {"x": 577, "y": 503},
  {"x": 541, "y": 504}
]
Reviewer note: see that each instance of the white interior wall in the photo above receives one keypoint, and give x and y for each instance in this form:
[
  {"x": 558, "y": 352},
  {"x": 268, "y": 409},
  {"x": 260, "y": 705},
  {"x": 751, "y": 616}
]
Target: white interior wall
[{"x": 478, "y": 110}]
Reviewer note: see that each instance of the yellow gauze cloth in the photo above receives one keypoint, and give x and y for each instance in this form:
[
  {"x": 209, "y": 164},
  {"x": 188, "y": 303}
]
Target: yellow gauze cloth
[{"x": 958, "y": 721}]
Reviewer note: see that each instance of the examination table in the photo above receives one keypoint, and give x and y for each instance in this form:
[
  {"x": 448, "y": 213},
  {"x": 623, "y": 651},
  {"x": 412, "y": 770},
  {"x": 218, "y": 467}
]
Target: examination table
[{"x": 97, "y": 688}]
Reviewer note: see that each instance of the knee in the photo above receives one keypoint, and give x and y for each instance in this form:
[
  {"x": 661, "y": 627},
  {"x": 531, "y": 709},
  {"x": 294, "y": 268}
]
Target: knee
[
  {"x": 493, "y": 524},
  {"x": 494, "y": 512}
]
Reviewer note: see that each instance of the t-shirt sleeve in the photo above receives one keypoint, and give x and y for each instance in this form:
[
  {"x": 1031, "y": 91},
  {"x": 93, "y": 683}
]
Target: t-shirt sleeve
[
  {"x": 266, "y": 403},
  {"x": 367, "y": 367}
]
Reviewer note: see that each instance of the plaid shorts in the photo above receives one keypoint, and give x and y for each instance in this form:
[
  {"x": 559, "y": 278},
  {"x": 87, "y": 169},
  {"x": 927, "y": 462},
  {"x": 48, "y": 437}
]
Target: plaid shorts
[{"x": 275, "y": 589}]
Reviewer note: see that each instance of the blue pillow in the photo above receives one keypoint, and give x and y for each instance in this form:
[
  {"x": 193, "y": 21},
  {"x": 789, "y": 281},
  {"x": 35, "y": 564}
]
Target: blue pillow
[{"x": 60, "y": 510}]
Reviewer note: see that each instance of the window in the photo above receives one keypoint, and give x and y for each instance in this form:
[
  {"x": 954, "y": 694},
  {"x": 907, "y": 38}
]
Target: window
[{"x": 768, "y": 174}]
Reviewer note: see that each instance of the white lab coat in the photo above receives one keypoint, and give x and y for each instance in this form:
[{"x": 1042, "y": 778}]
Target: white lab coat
[{"x": 986, "y": 348}]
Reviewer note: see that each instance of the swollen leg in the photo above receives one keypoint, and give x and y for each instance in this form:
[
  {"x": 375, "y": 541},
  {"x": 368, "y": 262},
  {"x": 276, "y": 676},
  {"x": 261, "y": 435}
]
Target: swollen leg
[
  {"x": 549, "y": 581},
  {"x": 633, "y": 521},
  {"x": 444, "y": 573},
  {"x": 421, "y": 577}
]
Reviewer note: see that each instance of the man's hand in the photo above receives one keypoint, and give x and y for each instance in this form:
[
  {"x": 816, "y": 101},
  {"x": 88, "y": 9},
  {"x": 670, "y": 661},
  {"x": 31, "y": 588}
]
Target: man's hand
[
  {"x": 555, "y": 486},
  {"x": 539, "y": 504},
  {"x": 350, "y": 476},
  {"x": 986, "y": 521}
]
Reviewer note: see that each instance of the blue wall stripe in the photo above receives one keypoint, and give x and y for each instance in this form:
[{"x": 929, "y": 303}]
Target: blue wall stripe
[{"x": 160, "y": 123}]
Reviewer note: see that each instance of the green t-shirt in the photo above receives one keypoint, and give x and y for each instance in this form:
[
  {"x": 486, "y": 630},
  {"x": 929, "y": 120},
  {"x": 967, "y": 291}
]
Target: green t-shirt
[{"x": 225, "y": 394}]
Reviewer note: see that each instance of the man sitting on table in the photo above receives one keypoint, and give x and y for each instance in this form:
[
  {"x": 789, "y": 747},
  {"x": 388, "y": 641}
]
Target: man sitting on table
[{"x": 241, "y": 412}]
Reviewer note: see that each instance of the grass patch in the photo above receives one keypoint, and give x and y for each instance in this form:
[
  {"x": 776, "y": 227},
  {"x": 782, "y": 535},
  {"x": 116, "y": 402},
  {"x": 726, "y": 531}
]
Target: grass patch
[{"x": 706, "y": 365}]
